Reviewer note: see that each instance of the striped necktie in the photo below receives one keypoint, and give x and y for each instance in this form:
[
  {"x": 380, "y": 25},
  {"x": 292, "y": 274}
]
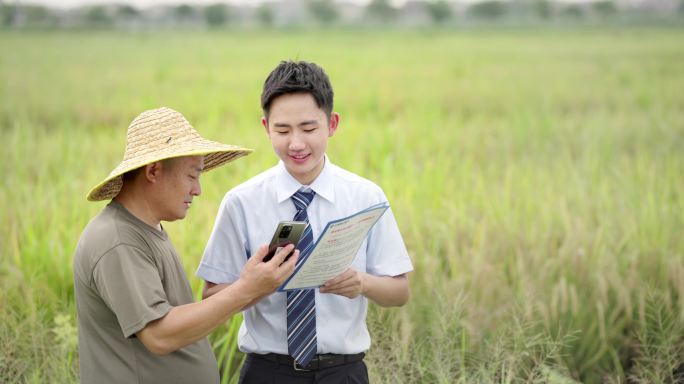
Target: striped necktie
[{"x": 301, "y": 304}]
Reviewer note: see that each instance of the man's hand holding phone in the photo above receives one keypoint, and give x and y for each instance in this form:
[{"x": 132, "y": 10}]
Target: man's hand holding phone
[
  {"x": 264, "y": 277},
  {"x": 269, "y": 267},
  {"x": 287, "y": 232}
]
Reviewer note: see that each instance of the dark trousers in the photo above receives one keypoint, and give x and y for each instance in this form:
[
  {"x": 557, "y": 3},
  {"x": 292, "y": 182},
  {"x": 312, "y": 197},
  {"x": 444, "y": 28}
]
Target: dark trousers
[{"x": 260, "y": 371}]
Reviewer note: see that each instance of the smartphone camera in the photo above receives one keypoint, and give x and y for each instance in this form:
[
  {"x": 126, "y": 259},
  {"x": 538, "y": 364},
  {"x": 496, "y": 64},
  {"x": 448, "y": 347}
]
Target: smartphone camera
[{"x": 285, "y": 232}]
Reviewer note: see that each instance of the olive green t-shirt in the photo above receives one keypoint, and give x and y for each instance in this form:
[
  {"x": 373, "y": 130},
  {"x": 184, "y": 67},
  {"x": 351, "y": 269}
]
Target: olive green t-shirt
[{"x": 126, "y": 274}]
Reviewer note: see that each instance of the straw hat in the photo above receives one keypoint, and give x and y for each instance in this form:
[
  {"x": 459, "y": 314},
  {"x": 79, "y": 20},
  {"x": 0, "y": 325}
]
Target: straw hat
[{"x": 160, "y": 134}]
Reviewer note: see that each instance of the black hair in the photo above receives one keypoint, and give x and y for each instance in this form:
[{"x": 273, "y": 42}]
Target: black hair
[{"x": 298, "y": 77}]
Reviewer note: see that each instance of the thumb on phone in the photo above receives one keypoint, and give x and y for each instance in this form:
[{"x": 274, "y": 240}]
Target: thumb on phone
[{"x": 282, "y": 253}]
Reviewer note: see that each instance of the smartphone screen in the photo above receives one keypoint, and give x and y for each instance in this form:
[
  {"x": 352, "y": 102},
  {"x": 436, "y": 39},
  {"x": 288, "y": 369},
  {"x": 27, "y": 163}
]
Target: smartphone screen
[{"x": 287, "y": 232}]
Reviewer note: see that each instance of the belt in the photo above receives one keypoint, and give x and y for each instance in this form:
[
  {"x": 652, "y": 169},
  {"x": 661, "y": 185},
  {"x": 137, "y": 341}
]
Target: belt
[{"x": 326, "y": 360}]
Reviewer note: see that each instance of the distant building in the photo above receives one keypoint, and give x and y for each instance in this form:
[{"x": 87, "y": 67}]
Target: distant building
[
  {"x": 350, "y": 13},
  {"x": 414, "y": 13},
  {"x": 289, "y": 12}
]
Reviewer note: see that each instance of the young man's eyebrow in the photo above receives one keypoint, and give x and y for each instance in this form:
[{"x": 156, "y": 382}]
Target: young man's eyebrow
[{"x": 286, "y": 125}]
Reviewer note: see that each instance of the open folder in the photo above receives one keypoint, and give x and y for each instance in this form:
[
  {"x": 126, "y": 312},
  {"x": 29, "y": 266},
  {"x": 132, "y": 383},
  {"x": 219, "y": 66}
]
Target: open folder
[{"x": 335, "y": 249}]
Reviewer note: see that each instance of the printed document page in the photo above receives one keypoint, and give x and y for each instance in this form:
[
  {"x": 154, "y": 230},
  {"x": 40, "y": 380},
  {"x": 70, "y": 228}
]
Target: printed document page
[{"x": 335, "y": 249}]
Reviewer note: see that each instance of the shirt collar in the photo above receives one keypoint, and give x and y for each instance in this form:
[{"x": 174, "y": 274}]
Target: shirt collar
[{"x": 287, "y": 185}]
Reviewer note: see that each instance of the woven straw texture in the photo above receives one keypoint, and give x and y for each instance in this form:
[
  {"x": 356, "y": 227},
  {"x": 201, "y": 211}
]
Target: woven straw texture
[{"x": 160, "y": 134}]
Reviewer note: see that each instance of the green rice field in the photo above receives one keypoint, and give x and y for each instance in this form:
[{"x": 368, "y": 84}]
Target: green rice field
[{"x": 536, "y": 175}]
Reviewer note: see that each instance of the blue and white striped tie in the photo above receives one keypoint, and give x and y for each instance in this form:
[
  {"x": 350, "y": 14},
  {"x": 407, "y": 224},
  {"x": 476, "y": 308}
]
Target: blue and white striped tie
[{"x": 301, "y": 303}]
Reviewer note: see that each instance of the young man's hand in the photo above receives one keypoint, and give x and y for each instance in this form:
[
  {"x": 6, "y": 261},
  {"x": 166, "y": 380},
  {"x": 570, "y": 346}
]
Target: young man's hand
[
  {"x": 387, "y": 291},
  {"x": 349, "y": 283},
  {"x": 265, "y": 277}
]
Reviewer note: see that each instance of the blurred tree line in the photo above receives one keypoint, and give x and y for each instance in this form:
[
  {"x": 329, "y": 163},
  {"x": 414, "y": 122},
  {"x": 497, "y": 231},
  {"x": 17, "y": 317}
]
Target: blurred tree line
[{"x": 15, "y": 14}]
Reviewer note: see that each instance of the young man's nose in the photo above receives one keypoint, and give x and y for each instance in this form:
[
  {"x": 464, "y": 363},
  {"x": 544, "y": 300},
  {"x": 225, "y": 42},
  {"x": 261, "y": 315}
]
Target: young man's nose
[{"x": 296, "y": 142}]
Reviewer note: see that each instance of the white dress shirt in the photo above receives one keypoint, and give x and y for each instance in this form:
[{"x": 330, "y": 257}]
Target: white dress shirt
[{"x": 247, "y": 217}]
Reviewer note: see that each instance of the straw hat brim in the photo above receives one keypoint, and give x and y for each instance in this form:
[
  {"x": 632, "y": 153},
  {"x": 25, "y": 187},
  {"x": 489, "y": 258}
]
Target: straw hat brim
[{"x": 215, "y": 154}]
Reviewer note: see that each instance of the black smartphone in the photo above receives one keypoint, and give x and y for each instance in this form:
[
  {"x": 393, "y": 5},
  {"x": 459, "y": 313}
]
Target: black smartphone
[{"x": 287, "y": 232}]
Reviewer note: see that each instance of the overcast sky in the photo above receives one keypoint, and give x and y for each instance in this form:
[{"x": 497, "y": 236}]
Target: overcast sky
[{"x": 147, "y": 3}]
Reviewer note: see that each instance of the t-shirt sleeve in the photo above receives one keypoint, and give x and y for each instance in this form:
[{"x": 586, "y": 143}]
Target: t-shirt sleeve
[
  {"x": 226, "y": 252},
  {"x": 386, "y": 254},
  {"x": 128, "y": 281}
]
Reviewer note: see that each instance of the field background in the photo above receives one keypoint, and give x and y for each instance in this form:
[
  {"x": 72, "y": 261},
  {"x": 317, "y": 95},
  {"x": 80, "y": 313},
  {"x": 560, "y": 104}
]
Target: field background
[{"x": 536, "y": 176}]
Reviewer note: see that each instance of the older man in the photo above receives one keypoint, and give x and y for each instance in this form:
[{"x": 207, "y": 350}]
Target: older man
[{"x": 138, "y": 322}]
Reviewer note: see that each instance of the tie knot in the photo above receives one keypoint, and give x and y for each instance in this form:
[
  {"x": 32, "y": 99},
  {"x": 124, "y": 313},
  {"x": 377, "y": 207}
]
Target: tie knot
[{"x": 302, "y": 199}]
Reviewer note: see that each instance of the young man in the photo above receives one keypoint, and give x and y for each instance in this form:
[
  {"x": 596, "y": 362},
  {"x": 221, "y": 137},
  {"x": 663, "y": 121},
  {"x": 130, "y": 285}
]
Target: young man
[
  {"x": 316, "y": 335},
  {"x": 137, "y": 322}
]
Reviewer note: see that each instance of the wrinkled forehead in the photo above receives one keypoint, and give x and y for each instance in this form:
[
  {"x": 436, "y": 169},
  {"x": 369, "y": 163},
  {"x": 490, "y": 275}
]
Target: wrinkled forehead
[{"x": 187, "y": 163}]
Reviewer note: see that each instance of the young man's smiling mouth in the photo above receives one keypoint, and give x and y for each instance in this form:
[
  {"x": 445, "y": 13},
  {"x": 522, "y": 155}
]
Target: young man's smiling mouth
[{"x": 300, "y": 157}]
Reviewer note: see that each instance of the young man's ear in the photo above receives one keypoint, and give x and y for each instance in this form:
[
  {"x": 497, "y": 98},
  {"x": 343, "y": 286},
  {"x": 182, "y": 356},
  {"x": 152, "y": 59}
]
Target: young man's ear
[
  {"x": 152, "y": 171},
  {"x": 264, "y": 122},
  {"x": 333, "y": 123}
]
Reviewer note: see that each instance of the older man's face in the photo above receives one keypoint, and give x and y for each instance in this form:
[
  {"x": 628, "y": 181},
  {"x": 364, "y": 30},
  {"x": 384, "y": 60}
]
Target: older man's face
[{"x": 179, "y": 184}]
